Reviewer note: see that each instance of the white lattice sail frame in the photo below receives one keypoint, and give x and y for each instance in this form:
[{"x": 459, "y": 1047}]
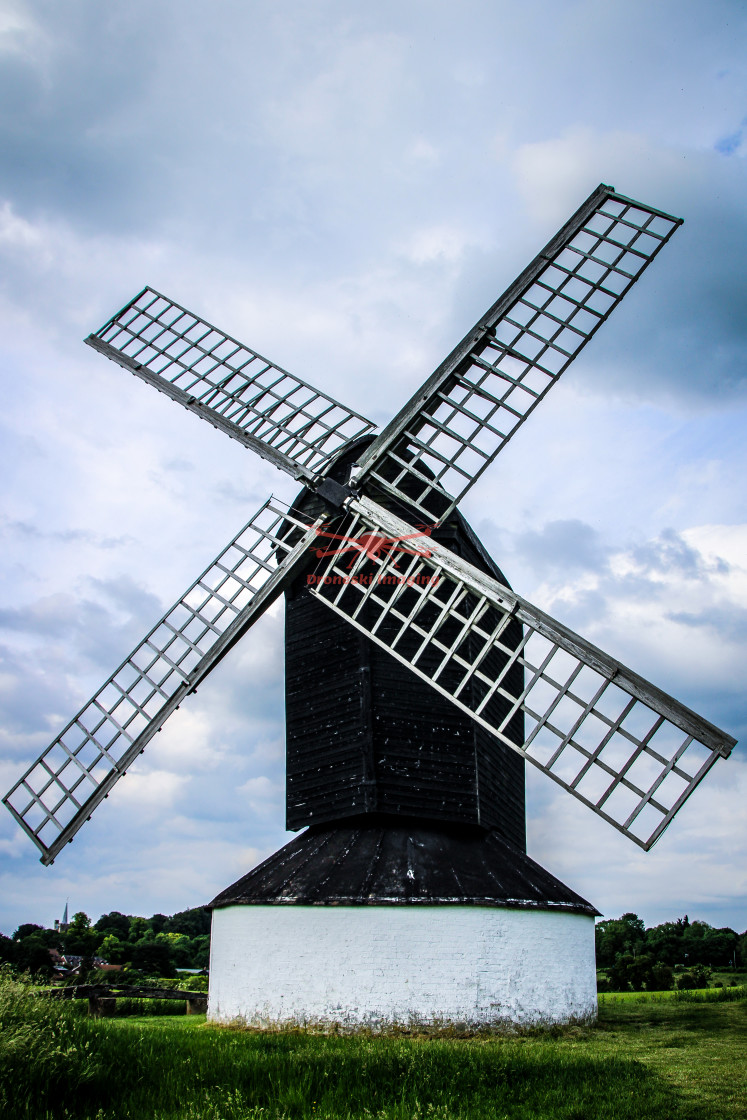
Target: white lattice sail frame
[
  {"x": 58, "y": 793},
  {"x": 626, "y": 749}
]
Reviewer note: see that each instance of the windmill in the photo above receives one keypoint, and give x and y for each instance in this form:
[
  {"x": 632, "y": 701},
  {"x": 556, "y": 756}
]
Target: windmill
[{"x": 418, "y": 683}]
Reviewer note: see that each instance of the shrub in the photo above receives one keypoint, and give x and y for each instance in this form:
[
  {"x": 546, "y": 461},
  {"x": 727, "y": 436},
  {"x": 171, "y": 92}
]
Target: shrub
[
  {"x": 701, "y": 974},
  {"x": 660, "y": 978},
  {"x": 192, "y": 982}
]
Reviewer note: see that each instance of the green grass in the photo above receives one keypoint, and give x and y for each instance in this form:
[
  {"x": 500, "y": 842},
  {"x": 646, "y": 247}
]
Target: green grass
[
  {"x": 697, "y": 1047},
  {"x": 647, "y": 1059},
  {"x": 689, "y": 995},
  {"x": 729, "y": 977}
]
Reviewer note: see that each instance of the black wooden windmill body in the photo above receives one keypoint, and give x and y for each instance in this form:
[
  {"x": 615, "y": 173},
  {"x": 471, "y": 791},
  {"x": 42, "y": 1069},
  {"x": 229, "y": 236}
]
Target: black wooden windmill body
[{"x": 417, "y": 682}]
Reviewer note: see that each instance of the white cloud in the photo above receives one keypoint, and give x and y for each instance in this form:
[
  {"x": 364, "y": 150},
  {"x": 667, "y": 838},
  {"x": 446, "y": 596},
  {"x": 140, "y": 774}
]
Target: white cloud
[
  {"x": 436, "y": 242},
  {"x": 19, "y": 32},
  {"x": 189, "y": 742},
  {"x": 654, "y": 601},
  {"x": 553, "y": 174},
  {"x": 698, "y": 864},
  {"x": 724, "y": 547},
  {"x": 149, "y": 792},
  {"x": 263, "y": 796}
]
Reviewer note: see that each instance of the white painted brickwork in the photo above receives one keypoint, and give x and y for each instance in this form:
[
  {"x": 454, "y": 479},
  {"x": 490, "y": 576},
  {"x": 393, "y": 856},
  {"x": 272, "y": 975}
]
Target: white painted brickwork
[{"x": 378, "y": 965}]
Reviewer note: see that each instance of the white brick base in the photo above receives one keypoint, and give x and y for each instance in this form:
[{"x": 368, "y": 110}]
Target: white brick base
[{"x": 375, "y": 966}]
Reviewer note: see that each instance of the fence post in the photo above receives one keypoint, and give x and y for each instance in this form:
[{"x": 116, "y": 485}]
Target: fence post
[{"x": 101, "y": 1007}]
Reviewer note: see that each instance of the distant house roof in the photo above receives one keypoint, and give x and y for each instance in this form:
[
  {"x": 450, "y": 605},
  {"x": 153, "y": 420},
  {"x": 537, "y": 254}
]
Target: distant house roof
[{"x": 400, "y": 864}]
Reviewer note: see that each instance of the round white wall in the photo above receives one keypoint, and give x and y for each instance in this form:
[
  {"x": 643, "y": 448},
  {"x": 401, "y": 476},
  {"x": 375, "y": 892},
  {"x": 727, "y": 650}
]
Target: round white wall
[{"x": 375, "y": 966}]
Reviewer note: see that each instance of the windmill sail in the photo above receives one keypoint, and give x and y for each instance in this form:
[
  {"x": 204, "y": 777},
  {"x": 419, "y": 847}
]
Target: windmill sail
[
  {"x": 623, "y": 747},
  {"x": 254, "y": 401},
  {"x": 58, "y": 793},
  {"x": 455, "y": 425}
]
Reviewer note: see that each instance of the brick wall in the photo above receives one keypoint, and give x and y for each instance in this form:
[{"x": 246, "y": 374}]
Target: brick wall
[{"x": 377, "y": 965}]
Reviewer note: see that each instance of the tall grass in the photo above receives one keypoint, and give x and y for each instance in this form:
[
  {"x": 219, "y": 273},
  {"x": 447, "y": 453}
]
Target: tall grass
[
  {"x": 171, "y": 1071},
  {"x": 710, "y": 995},
  {"x": 55, "y": 1064},
  {"x": 686, "y": 995},
  {"x": 46, "y": 1049}
]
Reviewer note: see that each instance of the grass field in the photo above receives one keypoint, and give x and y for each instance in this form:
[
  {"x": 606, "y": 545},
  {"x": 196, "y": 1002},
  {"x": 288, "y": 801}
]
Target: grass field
[
  {"x": 647, "y": 1058},
  {"x": 691, "y": 995}
]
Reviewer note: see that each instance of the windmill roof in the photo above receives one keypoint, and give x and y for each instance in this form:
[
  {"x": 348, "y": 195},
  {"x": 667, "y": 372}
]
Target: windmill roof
[{"x": 401, "y": 864}]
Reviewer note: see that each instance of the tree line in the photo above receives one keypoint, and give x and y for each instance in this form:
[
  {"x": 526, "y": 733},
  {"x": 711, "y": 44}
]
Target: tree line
[
  {"x": 679, "y": 954},
  {"x": 155, "y": 946}
]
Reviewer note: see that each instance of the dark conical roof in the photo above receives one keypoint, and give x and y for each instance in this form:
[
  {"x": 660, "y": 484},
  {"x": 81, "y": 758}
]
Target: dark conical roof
[{"x": 396, "y": 863}]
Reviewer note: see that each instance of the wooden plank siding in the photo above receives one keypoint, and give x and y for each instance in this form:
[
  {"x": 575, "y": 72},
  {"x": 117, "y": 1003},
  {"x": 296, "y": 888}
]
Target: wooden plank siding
[{"x": 364, "y": 735}]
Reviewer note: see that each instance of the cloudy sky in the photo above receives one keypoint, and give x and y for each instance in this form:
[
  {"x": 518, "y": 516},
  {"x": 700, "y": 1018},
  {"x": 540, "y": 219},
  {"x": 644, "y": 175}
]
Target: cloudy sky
[{"x": 346, "y": 187}]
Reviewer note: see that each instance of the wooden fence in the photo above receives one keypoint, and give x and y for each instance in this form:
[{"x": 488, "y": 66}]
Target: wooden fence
[{"x": 102, "y": 998}]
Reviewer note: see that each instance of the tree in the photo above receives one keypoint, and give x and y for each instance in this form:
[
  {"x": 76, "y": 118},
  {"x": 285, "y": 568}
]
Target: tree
[
  {"x": 618, "y": 935},
  {"x": 742, "y": 950},
  {"x": 112, "y": 950},
  {"x": 49, "y": 937},
  {"x": 686, "y": 942},
  {"x": 152, "y": 958},
  {"x": 201, "y": 952},
  {"x": 194, "y": 923},
  {"x": 138, "y": 928},
  {"x": 79, "y": 938},
  {"x": 722, "y": 950},
  {"x": 25, "y": 930},
  {"x": 619, "y": 973},
  {"x": 8, "y": 950},
  {"x": 80, "y": 923},
  {"x": 180, "y": 948},
  {"x": 114, "y": 923},
  {"x": 33, "y": 956},
  {"x": 665, "y": 942}
]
